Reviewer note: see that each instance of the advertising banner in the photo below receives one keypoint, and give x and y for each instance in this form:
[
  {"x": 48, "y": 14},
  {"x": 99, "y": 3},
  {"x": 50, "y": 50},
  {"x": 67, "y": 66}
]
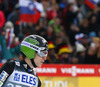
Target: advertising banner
[
  {"x": 63, "y": 75},
  {"x": 69, "y": 70},
  {"x": 70, "y": 81},
  {"x": 59, "y": 81}
]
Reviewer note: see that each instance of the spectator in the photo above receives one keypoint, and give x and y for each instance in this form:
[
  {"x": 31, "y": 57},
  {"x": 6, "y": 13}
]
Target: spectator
[
  {"x": 83, "y": 39},
  {"x": 80, "y": 53},
  {"x": 50, "y": 33},
  {"x": 52, "y": 56},
  {"x": 64, "y": 55},
  {"x": 84, "y": 26},
  {"x": 75, "y": 60},
  {"x": 73, "y": 30},
  {"x": 92, "y": 35},
  {"x": 14, "y": 18},
  {"x": 40, "y": 28},
  {"x": 57, "y": 42},
  {"x": 9, "y": 33},
  {"x": 6, "y": 40},
  {"x": 57, "y": 25},
  {"x": 93, "y": 55},
  {"x": 71, "y": 14},
  {"x": 93, "y": 26},
  {"x": 52, "y": 12},
  {"x": 82, "y": 13}
]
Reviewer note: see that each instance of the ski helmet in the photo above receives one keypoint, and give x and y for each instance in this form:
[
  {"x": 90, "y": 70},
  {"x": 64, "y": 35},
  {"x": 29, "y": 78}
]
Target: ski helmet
[{"x": 32, "y": 44}]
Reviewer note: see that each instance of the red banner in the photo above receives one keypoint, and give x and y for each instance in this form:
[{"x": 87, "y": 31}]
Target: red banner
[{"x": 68, "y": 70}]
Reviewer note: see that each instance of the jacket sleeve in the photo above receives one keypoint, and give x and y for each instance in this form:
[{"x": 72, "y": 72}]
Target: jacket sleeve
[
  {"x": 5, "y": 71},
  {"x": 39, "y": 84}
]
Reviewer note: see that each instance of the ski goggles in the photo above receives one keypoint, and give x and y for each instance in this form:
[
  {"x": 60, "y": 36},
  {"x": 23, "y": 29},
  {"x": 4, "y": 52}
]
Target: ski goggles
[{"x": 42, "y": 53}]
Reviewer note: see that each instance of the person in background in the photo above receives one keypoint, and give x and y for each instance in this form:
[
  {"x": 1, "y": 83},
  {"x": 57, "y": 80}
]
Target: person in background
[
  {"x": 64, "y": 53},
  {"x": 75, "y": 59},
  {"x": 10, "y": 44},
  {"x": 84, "y": 26},
  {"x": 92, "y": 35},
  {"x": 50, "y": 33},
  {"x": 6, "y": 38},
  {"x": 14, "y": 18},
  {"x": 71, "y": 15},
  {"x": 52, "y": 12},
  {"x": 34, "y": 50},
  {"x": 83, "y": 39},
  {"x": 79, "y": 54},
  {"x": 93, "y": 54},
  {"x": 52, "y": 56},
  {"x": 73, "y": 30}
]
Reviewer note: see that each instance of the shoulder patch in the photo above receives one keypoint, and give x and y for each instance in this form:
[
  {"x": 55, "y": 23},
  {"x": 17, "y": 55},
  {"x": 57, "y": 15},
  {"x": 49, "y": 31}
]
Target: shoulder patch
[
  {"x": 17, "y": 63},
  {"x": 3, "y": 76}
]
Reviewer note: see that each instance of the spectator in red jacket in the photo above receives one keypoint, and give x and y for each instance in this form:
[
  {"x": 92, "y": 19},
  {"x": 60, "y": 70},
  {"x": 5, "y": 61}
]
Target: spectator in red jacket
[{"x": 2, "y": 19}]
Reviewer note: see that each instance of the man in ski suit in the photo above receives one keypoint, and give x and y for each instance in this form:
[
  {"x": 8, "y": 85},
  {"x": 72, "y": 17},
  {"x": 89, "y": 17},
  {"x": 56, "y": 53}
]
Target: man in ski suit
[{"x": 34, "y": 50}]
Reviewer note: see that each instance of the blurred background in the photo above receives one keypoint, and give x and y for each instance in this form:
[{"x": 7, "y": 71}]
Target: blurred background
[{"x": 72, "y": 29}]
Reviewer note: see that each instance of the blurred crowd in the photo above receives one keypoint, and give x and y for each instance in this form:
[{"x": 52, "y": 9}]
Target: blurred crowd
[{"x": 71, "y": 28}]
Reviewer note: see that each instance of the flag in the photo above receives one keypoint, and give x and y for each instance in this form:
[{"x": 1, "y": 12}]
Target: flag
[
  {"x": 92, "y": 3},
  {"x": 30, "y": 11}
]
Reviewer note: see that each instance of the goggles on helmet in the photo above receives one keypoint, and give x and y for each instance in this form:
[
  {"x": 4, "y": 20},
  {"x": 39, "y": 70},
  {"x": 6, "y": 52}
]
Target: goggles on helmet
[{"x": 41, "y": 51}]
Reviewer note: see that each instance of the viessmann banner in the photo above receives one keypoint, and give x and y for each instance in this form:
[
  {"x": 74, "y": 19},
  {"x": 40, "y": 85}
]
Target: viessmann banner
[
  {"x": 69, "y": 70},
  {"x": 56, "y": 75}
]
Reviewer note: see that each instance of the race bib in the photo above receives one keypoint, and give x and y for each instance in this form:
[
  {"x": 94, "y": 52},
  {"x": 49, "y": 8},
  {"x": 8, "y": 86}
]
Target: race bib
[{"x": 23, "y": 78}]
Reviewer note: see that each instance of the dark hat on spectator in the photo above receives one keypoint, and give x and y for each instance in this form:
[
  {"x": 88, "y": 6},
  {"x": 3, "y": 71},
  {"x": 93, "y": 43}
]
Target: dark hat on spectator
[{"x": 92, "y": 34}]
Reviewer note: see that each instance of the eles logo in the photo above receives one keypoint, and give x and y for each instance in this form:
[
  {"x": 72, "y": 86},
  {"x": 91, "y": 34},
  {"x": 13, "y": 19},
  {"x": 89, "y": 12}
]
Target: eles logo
[
  {"x": 25, "y": 78},
  {"x": 28, "y": 79}
]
